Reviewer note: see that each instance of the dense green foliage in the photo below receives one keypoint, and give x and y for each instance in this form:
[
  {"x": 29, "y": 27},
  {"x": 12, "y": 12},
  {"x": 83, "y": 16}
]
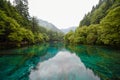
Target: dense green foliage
[
  {"x": 98, "y": 12},
  {"x": 100, "y": 26},
  {"x": 17, "y": 27}
]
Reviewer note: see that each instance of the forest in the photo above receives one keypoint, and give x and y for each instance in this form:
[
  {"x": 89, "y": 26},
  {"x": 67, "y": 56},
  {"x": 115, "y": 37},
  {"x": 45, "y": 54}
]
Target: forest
[
  {"x": 31, "y": 51},
  {"x": 18, "y": 28},
  {"x": 101, "y": 26}
]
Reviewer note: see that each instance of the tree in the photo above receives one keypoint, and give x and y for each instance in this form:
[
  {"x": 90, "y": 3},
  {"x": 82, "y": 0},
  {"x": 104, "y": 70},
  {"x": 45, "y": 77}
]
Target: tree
[
  {"x": 22, "y": 7},
  {"x": 111, "y": 27},
  {"x": 69, "y": 37}
]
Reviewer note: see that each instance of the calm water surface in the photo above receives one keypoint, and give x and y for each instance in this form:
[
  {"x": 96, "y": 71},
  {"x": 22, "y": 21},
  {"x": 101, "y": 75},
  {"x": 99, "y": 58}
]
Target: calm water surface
[{"x": 58, "y": 62}]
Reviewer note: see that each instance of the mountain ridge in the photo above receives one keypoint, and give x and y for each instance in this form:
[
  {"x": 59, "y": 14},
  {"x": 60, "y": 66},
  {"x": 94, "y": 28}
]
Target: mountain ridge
[
  {"x": 66, "y": 30},
  {"x": 48, "y": 25}
]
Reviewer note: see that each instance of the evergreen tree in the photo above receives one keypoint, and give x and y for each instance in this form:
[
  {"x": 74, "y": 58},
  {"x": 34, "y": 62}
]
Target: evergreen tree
[
  {"x": 100, "y": 26},
  {"x": 22, "y": 7}
]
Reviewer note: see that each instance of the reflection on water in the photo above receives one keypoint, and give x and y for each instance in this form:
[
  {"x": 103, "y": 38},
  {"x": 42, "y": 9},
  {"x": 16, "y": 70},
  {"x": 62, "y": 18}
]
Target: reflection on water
[
  {"x": 16, "y": 64},
  {"x": 104, "y": 61},
  {"x": 63, "y": 66},
  {"x": 58, "y": 62}
]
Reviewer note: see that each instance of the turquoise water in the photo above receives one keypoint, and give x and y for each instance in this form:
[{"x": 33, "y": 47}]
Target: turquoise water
[{"x": 58, "y": 62}]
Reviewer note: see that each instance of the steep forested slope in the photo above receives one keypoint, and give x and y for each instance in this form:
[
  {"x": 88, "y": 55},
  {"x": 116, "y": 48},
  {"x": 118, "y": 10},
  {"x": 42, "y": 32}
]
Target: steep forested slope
[
  {"x": 17, "y": 27},
  {"x": 100, "y": 26},
  {"x": 13, "y": 26},
  {"x": 98, "y": 12}
]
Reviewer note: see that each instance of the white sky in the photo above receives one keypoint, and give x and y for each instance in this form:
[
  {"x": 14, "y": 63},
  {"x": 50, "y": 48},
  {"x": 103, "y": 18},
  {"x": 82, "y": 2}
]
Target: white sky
[{"x": 61, "y": 13}]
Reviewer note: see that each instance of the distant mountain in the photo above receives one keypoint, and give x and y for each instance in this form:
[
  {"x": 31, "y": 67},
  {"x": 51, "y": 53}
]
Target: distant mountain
[
  {"x": 48, "y": 26},
  {"x": 68, "y": 29}
]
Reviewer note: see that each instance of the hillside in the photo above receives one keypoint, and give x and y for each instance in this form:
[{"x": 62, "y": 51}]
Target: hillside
[
  {"x": 98, "y": 12},
  {"x": 101, "y": 26},
  {"x": 48, "y": 25},
  {"x": 66, "y": 30},
  {"x": 18, "y": 28}
]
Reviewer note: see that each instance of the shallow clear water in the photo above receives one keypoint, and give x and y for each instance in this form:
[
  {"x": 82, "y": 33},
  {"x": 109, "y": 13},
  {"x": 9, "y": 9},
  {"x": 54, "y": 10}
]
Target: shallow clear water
[{"x": 59, "y": 62}]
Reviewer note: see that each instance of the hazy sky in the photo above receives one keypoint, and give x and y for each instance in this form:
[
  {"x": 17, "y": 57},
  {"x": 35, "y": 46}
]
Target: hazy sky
[{"x": 62, "y": 13}]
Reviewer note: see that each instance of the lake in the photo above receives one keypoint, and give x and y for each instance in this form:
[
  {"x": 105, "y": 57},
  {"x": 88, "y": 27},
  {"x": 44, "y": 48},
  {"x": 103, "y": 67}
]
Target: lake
[{"x": 56, "y": 61}]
